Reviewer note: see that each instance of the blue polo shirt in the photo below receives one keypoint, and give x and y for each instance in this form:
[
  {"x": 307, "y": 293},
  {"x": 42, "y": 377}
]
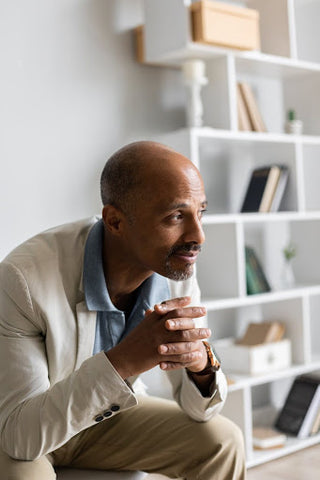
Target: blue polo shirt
[{"x": 111, "y": 324}]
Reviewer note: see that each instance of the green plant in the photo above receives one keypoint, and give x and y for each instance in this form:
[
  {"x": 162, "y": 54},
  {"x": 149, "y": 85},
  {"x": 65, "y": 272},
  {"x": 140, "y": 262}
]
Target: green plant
[{"x": 289, "y": 251}]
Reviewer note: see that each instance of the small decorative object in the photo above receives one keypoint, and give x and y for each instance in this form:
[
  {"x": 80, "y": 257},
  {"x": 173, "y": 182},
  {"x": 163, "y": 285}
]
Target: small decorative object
[
  {"x": 293, "y": 125},
  {"x": 194, "y": 78},
  {"x": 289, "y": 253}
]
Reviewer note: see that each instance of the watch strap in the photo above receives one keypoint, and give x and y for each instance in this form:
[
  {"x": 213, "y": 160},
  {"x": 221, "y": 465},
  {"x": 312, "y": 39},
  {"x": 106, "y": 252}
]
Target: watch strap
[{"x": 213, "y": 360}]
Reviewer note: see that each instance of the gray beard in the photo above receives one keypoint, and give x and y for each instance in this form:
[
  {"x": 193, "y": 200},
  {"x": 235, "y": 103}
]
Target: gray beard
[{"x": 178, "y": 275}]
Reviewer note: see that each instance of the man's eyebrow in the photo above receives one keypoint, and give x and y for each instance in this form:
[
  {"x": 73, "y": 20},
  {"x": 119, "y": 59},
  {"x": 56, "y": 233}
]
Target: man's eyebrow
[{"x": 175, "y": 206}]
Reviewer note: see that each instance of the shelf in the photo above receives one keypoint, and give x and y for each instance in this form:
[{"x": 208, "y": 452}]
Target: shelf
[
  {"x": 216, "y": 134},
  {"x": 284, "y": 76},
  {"x": 243, "y": 381},
  {"x": 292, "y": 445},
  {"x": 266, "y": 416},
  {"x": 253, "y": 61},
  {"x": 260, "y": 217},
  {"x": 224, "y": 303},
  {"x": 271, "y": 65},
  {"x": 192, "y": 50}
]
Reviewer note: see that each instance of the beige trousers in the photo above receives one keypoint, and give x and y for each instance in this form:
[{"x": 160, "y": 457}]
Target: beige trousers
[{"x": 155, "y": 436}]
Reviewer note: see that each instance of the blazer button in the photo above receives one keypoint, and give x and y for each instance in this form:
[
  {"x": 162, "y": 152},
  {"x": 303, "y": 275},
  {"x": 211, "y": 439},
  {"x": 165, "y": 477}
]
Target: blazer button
[
  {"x": 99, "y": 418},
  {"x": 115, "y": 408},
  {"x": 107, "y": 414}
]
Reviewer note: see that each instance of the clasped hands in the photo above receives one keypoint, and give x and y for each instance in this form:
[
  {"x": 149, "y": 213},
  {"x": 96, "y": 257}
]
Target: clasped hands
[
  {"x": 184, "y": 347},
  {"x": 167, "y": 337}
]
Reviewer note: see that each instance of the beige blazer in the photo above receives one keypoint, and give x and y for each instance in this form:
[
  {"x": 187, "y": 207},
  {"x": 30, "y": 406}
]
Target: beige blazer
[{"x": 51, "y": 386}]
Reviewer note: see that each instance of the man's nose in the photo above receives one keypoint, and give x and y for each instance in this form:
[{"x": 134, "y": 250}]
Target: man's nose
[{"x": 194, "y": 232}]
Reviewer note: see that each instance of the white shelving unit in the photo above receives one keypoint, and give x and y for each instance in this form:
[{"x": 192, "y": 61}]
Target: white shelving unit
[{"x": 284, "y": 75}]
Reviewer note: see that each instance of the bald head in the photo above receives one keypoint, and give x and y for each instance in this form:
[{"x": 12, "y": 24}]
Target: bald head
[{"x": 132, "y": 171}]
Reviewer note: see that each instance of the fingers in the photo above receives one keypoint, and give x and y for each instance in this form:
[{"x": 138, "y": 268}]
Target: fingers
[
  {"x": 186, "y": 312},
  {"x": 177, "y": 311},
  {"x": 172, "y": 365},
  {"x": 180, "y": 342},
  {"x": 179, "y": 348},
  {"x": 169, "y": 305},
  {"x": 183, "y": 354},
  {"x": 180, "y": 324},
  {"x": 184, "y": 336},
  {"x": 183, "y": 318},
  {"x": 169, "y": 365},
  {"x": 182, "y": 360}
]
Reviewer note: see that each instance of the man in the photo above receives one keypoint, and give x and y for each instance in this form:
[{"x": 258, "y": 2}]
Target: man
[{"x": 87, "y": 307}]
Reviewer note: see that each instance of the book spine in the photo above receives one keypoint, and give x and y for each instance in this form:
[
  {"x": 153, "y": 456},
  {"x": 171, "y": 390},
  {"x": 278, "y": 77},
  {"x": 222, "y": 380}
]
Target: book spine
[
  {"x": 269, "y": 191},
  {"x": 254, "y": 192},
  {"x": 260, "y": 278},
  {"x": 280, "y": 190},
  {"x": 310, "y": 416},
  {"x": 316, "y": 424},
  {"x": 244, "y": 123},
  {"x": 252, "y": 107},
  {"x": 252, "y": 284}
]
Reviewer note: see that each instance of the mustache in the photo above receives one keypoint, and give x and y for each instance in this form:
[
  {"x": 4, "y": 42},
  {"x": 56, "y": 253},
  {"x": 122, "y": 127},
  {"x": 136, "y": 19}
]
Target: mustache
[{"x": 185, "y": 248}]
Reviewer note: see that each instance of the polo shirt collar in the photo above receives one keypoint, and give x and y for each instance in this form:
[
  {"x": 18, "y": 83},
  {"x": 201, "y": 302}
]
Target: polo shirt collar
[{"x": 153, "y": 290}]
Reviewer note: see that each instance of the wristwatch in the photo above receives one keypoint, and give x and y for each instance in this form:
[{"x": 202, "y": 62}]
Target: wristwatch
[{"x": 213, "y": 359}]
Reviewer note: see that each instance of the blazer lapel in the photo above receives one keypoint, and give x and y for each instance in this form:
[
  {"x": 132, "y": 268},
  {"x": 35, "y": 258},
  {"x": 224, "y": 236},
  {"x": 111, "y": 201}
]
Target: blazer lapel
[{"x": 86, "y": 332}]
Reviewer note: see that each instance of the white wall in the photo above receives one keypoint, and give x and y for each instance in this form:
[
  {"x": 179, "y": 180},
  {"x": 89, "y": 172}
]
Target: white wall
[{"x": 70, "y": 94}]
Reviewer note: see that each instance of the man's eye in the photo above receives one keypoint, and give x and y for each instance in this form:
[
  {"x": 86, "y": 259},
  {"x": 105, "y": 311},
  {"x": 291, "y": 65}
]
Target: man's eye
[
  {"x": 177, "y": 216},
  {"x": 202, "y": 212}
]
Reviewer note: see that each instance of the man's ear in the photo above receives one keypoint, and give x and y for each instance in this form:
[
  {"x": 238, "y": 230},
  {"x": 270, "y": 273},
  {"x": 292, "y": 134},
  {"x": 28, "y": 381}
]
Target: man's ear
[{"x": 113, "y": 219}]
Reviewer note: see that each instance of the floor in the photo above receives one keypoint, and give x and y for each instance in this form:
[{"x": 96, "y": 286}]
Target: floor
[{"x": 302, "y": 465}]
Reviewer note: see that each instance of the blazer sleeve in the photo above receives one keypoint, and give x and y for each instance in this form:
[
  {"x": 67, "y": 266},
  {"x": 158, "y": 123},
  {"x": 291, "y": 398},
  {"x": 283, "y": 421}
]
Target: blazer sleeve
[
  {"x": 35, "y": 416},
  {"x": 185, "y": 392}
]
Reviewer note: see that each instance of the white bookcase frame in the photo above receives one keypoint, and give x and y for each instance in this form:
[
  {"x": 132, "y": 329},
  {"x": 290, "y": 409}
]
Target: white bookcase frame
[{"x": 284, "y": 74}]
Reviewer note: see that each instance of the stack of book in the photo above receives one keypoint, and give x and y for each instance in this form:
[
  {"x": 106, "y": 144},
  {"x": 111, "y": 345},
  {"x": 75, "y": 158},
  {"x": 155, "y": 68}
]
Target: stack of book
[
  {"x": 300, "y": 415},
  {"x": 255, "y": 277},
  {"x": 265, "y": 189},
  {"x": 249, "y": 116},
  {"x": 266, "y": 438}
]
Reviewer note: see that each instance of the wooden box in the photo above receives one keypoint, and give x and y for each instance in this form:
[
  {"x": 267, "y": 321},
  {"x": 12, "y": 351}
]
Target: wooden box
[
  {"x": 225, "y": 25},
  {"x": 139, "y": 43},
  {"x": 256, "y": 359}
]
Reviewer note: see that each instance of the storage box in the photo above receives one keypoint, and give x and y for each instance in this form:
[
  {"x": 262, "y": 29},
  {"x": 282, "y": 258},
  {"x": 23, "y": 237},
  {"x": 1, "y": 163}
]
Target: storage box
[
  {"x": 225, "y": 25},
  {"x": 253, "y": 360}
]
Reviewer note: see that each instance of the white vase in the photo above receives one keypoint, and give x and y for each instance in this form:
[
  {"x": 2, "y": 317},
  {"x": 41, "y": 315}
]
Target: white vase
[{"x": 287, "y": 275}]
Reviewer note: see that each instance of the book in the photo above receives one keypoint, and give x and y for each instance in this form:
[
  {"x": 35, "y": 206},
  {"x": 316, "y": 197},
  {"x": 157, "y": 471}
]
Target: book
[
  {"x": 270, "y": 188},
  {"x": 251, "y": 106},
  {"x": 265, "y": 189},
  {"x": 258, "y": 333},
  {"x": 301, "y": 407},
  {"x": 311, "y": 414},
  {"x": 244, "y": 123},
  {"x": 280, "y": 189},
  {"x": 265, "y": 438},
  {"x": 255, "y": 277},
  {"x": 316, "y": 424}
]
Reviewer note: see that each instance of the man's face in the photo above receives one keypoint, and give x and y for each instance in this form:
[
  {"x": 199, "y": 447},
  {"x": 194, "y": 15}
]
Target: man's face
[{"x": 165, "y": 235}]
